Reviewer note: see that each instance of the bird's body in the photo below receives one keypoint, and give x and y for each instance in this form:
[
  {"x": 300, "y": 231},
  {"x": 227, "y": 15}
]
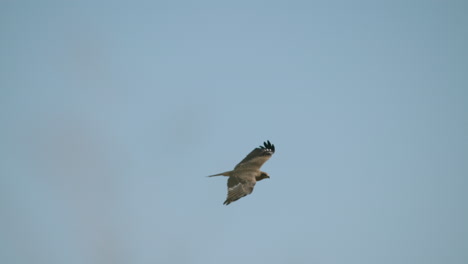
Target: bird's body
[{"x": 247, "y": 173}]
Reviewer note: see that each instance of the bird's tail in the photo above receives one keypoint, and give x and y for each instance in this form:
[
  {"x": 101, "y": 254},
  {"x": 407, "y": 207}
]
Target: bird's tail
[{"x": 226, "y": 173}]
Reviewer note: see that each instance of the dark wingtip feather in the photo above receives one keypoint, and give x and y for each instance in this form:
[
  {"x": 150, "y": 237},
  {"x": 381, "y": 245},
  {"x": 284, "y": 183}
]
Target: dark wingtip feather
[{"x": 267, "y": 145}]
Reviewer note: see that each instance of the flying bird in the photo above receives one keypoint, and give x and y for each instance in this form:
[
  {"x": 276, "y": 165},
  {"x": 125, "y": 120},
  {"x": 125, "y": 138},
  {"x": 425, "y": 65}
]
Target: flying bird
[{"x": 242, "y": 179}]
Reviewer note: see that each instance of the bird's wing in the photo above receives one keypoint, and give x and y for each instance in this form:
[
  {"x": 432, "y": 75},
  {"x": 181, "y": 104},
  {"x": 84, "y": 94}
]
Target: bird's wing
[
  {"x": 257, "y": 157},
  {"x": 238, "y": 188}
]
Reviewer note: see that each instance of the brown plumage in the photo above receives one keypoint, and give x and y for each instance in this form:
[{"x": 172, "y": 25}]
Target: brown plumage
[{"x": 242, "y": 179}]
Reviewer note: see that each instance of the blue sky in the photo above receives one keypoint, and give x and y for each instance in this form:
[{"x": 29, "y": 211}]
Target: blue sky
[{"x": 112, "y": 113}]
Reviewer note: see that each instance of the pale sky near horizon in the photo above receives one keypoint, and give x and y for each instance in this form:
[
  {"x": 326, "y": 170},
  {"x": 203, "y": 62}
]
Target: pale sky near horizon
[{"x": 113, "y": 113}]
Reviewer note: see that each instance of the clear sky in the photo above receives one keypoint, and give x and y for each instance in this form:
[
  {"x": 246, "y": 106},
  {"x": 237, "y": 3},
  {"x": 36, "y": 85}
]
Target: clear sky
[{"x": 113, "y": 113}]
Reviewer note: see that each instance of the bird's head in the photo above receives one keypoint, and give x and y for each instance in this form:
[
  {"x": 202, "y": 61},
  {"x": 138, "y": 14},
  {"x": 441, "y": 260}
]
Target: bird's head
[{"x": 262, "y": 176}]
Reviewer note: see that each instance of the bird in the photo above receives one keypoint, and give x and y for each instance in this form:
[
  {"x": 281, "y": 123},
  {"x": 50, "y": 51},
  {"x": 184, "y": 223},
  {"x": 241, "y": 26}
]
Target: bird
[{"x": 242, "y": 179}]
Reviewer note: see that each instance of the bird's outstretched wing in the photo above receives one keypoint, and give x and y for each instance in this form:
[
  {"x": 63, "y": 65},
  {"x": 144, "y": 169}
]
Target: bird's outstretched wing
[
  {"x": 238, "y": 188},
  {"x": 257, "y": 157}
]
